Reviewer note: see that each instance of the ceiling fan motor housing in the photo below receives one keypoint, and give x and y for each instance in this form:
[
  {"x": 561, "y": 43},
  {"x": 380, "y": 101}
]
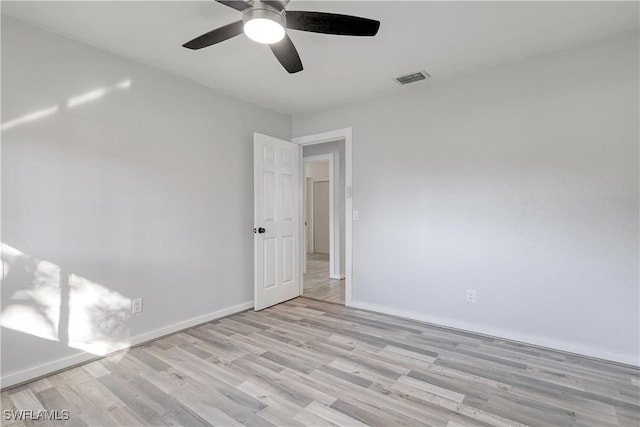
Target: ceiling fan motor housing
[{"x": 264, "y": 11}]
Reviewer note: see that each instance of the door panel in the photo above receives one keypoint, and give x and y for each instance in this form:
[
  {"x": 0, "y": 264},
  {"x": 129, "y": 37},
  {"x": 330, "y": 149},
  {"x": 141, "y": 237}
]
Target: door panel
[
  {"x": 269, "y": 212},
  {"x": 287, "y": 259},
  {"x": 269, "y": 277},
  {"x": 287, "y": 197},
  {"x": 276, "y": 217},
  {"x": 321, "y": 216}
]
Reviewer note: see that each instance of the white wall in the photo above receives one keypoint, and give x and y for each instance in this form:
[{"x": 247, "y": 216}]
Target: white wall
[
  {"x": 145, "y": 191},
  {"x": 337, "y": 148},
  {"x": 520, "y": 182},
  {"x": 317, "y": 171}
]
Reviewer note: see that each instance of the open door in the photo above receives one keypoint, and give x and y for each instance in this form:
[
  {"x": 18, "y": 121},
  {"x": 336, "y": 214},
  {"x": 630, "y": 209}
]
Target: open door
[{"x": 276, "y": 195}]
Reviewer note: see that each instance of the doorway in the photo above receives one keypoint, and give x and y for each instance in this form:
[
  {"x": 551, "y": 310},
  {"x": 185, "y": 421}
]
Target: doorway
[
  {"x": 322, "y": 279},
  {"x": 324, "y": 208},
  {"x": 345, "y": 138}
]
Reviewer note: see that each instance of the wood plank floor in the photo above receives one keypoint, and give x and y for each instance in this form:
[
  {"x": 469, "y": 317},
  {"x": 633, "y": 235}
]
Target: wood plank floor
[
  {"x": 317, "y": 283},
  {"x": 306, "y": 362}
]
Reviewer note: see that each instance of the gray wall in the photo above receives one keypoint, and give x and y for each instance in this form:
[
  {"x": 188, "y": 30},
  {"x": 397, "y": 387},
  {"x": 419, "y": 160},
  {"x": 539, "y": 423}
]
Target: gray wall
[
  {"x": 519, "y": 182},
  {"x": 337, "y": 148},
  {"x": 145, "y": 191}
]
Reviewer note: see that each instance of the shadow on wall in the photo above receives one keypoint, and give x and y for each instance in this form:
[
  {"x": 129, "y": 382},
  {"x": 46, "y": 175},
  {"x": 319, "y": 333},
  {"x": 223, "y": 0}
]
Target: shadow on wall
[{"x": 43, "y": 300}]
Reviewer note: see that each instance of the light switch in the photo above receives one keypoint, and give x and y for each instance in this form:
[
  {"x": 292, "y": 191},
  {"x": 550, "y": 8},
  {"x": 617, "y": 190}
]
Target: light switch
[{"x": 356, "y": 215}]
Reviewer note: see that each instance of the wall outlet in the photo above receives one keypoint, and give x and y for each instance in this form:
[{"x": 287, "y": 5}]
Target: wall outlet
[
  {"x": 356, "y": 215},
  {"x": 471, "y": 295},
  {"x": 136, "y": 305}
]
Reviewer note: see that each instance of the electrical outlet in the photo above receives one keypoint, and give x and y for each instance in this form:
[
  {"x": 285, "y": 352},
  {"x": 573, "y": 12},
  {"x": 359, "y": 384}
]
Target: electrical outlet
[
  {"x": 356, "y": 215},
  {"x": 136, "y": 305},
  {"x": 471, "y": 295}
]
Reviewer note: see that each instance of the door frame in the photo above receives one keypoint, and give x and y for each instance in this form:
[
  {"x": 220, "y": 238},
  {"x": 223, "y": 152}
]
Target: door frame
[
  {"x": 334, "y": 260},
  {"x": 345, "y": 134}
]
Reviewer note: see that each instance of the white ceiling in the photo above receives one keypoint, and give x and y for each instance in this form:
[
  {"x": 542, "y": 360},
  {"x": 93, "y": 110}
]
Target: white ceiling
[{"x": 443, "y": 38}]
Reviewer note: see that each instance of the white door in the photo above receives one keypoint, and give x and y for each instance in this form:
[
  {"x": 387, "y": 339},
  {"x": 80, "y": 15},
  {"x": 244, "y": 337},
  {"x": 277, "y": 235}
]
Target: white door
[
  {"x": 308, "y": 224},
  {"x": 321, "y": 217},
  {"x": 276, "y": 187}
]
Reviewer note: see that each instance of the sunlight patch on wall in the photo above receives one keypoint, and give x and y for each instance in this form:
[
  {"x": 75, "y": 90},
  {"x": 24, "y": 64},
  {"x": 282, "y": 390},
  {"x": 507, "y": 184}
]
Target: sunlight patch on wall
[
  {"x": 29, "y": 320},
  {"x": 41, "y": 299},
  {"x": 97, "y": 317},
  {"x": 89, "y": 96},
  {"x": 125, "y": 84},
  {"x": 37, "y": 311},
  {"x": 72, "y": 102},
  {"x": 30, "y": 117},
  {"x": 96, "y": 94}
]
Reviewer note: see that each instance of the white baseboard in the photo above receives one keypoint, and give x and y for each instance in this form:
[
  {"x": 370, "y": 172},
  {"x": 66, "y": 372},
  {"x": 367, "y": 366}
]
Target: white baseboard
[
  {"x": 550, "y": 343},
  {"x": 83, "y": 357}
]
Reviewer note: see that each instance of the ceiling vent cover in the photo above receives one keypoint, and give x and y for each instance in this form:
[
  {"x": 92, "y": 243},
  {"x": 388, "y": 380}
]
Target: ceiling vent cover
[{"x": 413, "y": 77}]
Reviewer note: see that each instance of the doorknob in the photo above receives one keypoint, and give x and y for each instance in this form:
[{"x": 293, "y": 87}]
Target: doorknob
[{"x": 259, "y": 230}]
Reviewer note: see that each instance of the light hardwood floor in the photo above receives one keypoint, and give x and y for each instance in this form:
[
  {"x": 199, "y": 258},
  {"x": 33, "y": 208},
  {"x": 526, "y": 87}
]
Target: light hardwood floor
[
  {"x": 306, "y": 362},
  {"x": 317, "y": 283}
]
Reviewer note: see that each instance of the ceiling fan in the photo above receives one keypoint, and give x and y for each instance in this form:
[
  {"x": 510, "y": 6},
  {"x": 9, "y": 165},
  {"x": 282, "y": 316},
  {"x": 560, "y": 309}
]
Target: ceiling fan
[{"x": 265, "y": 22}]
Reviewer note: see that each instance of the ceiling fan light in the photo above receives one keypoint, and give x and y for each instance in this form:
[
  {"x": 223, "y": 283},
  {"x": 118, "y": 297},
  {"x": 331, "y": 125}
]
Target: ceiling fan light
[
  {"x": 263, "y": 30},
  {"x": 264, "y": 24}
]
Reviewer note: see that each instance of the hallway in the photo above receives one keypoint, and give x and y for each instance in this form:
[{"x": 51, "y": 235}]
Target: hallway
[{"x": 317, "y": 283}]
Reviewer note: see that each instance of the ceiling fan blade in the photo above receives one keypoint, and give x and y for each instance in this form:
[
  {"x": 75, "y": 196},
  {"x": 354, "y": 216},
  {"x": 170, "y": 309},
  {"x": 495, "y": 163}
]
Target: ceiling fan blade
[
  {"x": 235, "y": 4},
  {"x": 331, "y": 23},
  {"x": 287, "y": 54},
  {"x": 216, "y": 36}
]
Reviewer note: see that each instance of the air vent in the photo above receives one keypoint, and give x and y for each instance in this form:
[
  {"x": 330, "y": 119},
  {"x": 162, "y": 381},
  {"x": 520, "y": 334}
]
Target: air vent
[{"x": 413, "y": 77}]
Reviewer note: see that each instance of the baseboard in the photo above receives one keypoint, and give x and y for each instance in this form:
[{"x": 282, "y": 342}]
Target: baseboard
[
  {"x": 544, "y": 342},
  {"x": 336, "y": 277},
  {"x": 83, "y": 357},
  {"x": 157, "y": 333}
]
